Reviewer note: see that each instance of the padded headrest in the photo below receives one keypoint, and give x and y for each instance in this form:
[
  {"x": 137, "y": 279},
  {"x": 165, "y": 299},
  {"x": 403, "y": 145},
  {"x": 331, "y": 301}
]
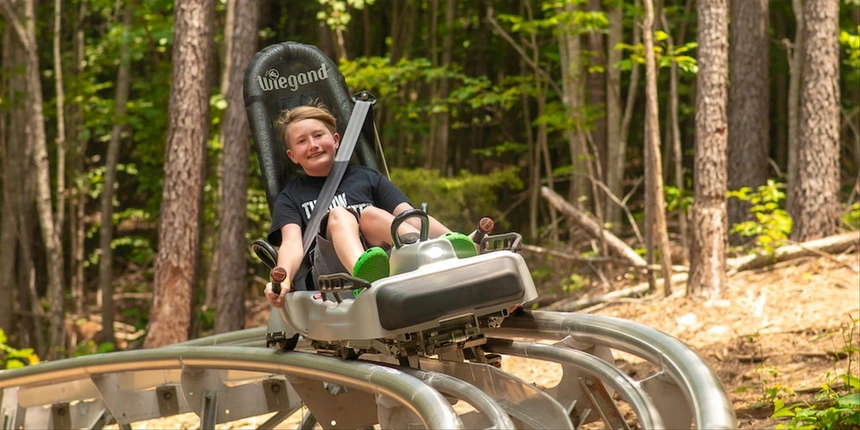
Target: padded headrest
[{"x": 284, "y": 76}]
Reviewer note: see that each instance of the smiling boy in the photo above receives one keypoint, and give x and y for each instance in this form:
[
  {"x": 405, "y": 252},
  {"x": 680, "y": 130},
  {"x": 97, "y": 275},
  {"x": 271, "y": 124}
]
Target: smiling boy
[{"x": 359, "y": 216}]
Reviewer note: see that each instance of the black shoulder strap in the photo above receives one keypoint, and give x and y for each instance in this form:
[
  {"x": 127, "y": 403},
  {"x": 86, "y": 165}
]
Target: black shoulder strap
[{"x": 363, "y": 101}]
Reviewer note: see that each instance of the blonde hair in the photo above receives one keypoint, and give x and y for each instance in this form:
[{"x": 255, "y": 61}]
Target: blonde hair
[{"x": 315, "y": 110}]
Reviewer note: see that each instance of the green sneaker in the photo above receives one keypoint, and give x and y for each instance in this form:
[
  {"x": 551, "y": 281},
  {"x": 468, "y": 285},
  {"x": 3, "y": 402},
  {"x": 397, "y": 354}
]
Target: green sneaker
[
  {"x": 371, "y": 266},
  {"x": 463, "y": 246}
]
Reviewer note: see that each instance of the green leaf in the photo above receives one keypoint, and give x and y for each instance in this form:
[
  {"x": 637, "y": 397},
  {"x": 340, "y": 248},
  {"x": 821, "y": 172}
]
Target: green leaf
[
  {"x": 852, "y": 381},
  {"x": 852, "y": 399},
  {"x": 784, "y": 412}
]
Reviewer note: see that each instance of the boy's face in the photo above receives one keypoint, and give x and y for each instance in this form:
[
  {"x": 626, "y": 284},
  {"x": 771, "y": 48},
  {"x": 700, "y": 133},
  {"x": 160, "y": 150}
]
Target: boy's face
[{"x": 312, "y": 146}]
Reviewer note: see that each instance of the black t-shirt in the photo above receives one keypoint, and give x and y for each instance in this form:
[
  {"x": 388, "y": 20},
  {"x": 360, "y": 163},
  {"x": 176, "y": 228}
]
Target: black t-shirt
[{"x": 359, "y": 188}]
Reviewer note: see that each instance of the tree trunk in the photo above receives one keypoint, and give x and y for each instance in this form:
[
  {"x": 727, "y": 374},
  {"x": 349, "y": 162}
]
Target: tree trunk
[
  {"x": 795, "y": 79},
  {"x": 178, "y": 232},
  {"x": 596, "y": 81},
  {"x": 778, "y": 90},
  {"x": 16, "y": 260},
  {"x": 816, "y": 196},
  {"x": 618, "y": 163},
  {"x": 615, "y": 148},
  {"x": 534, "y": 163},
  {"x": 78, "y": 146},
  {"x": 656, "y": 237},
  {"x": 430, "y": 160},
  {"x": 232, "y": 265},
  {"x": 26, "y": 34},
  {"x": 444, "y": 117},
  {"x": 211, "y": 231},
  {"x": 8, "y": 232},
  {"x": 61, "y": 128},
  {"x": 10, "y": 181},
  {"x": 674, "y": 131},
  {"x": 570, "y": 51},
  {"x": 111, "y": 158},
  {"x": 748, "y": 115},
  {"x": 708, "y": 214}
]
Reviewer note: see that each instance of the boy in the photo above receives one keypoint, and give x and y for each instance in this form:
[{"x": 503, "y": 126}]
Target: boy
[{"x": 360, "y": 214}]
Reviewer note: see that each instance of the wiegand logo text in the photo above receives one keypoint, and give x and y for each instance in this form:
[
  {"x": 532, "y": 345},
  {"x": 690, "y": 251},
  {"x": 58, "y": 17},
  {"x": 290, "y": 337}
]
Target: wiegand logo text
[{"x": 274, "y": 81}]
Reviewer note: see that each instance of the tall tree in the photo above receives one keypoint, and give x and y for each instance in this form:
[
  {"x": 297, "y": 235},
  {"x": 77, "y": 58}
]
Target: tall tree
[
  {"x": 437, "y": 156},
  {"x": 656, "y": 236},
  {"x": 573, "y": 97},
  {"x": 708, "y": 214},
  {"x": 111, "y": 158},
  {"x": 26, "y": 34},
  {"x": 816, "y": 196},
  {"x": 615, "y": 148},
  {"x": 241, "y": 40},
  {"x": 10, "y": 161},
  {"x": 18, "y": 198},
  {"x": 61, "y": 124},
  {"x": 188, "y": 124},
  {"x": 673, "y": 129},
  {"x": 595, "y": 81},
  {"x": 77, "y": 150},
  {"x": 748, "y": 116},
  {"x": 796, "y": 78}
]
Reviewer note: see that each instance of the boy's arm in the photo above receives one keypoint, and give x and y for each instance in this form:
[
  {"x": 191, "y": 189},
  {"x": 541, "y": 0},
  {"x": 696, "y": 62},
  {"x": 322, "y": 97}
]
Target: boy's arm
[
  {"x": 290, "y": 253},
  {"x": 436, "y": 228},
  {"x": 290, "y": 256}
]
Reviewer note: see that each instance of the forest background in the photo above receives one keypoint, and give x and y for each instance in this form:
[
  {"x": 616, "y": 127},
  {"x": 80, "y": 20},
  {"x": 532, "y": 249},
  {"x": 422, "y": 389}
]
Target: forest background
[{"x": 131, "y": 192}]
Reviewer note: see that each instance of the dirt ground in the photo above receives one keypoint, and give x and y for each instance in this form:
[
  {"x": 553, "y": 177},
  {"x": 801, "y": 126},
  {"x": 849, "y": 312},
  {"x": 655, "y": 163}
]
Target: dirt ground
[
  {"x": 781, "y": 328},
  {"x": 775, "y": 332}
]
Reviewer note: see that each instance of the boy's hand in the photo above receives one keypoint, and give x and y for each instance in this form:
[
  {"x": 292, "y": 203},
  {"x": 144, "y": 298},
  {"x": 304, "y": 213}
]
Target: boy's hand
[
  {"x": 275, "y": 290},
  {"x": 276, "y": 299}
]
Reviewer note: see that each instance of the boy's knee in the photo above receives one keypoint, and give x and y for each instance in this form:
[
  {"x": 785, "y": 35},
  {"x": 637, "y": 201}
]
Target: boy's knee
[
  {"x": 341, "y": 216},
  {"x": 374, "y": 214}
]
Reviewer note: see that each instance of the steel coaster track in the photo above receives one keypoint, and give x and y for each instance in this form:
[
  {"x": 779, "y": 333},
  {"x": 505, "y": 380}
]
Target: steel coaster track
[
  {"x": 682, "y": 371},
  {"x": 230, "y": 376}
]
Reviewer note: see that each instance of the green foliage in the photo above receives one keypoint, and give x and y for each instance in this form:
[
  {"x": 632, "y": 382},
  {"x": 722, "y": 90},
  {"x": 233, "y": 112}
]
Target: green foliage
[
  {"x": 852, "y": 216},
  {"x": 471, "y": 101},
  {"x": 335, "y": 13},
  {"x": 11, "y": 358},
  {"x": 772, "y": 224},
  {"x": 677, "y": 198},
  {"x": 557, "y": 18},
  {"x": 90, "y": 348},
  {"x": 851, "y": 43},
  {"x": 206, "y": 319},
  {"x": 665, "y": 54},
  {"x": 574, "y": 283},
  {"x": 457, "y": 202},
  {"x": 834, "y": 407}
]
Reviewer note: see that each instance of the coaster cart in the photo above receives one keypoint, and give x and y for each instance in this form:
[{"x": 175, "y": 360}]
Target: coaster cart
[{"x": 422, "y": 347}]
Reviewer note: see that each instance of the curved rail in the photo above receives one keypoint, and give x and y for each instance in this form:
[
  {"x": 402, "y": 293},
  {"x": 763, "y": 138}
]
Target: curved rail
[
  {"x": 480, "y": 400},
  {"x": 426, "y": 403},
  {"x": 629, "y": 390},
  {"x": 703, "y": 391}
]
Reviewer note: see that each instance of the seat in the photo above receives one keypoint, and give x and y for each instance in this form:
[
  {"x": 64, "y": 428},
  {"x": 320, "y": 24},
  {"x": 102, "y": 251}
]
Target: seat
[{"x": 284, "y": 76}]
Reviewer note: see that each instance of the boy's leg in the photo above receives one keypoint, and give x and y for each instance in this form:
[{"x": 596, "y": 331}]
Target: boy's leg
[
  {"x": 375, "y": 225},
  {"x": 342, "y": 229}
]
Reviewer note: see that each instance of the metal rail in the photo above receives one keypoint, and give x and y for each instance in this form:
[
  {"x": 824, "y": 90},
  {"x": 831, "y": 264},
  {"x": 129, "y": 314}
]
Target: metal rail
[
  {"x": 610, "y": 375},
  {"x": 206, "y": 376},
  {"x": 703, "y": 392},
  {"x": 433, "y": 410}
]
